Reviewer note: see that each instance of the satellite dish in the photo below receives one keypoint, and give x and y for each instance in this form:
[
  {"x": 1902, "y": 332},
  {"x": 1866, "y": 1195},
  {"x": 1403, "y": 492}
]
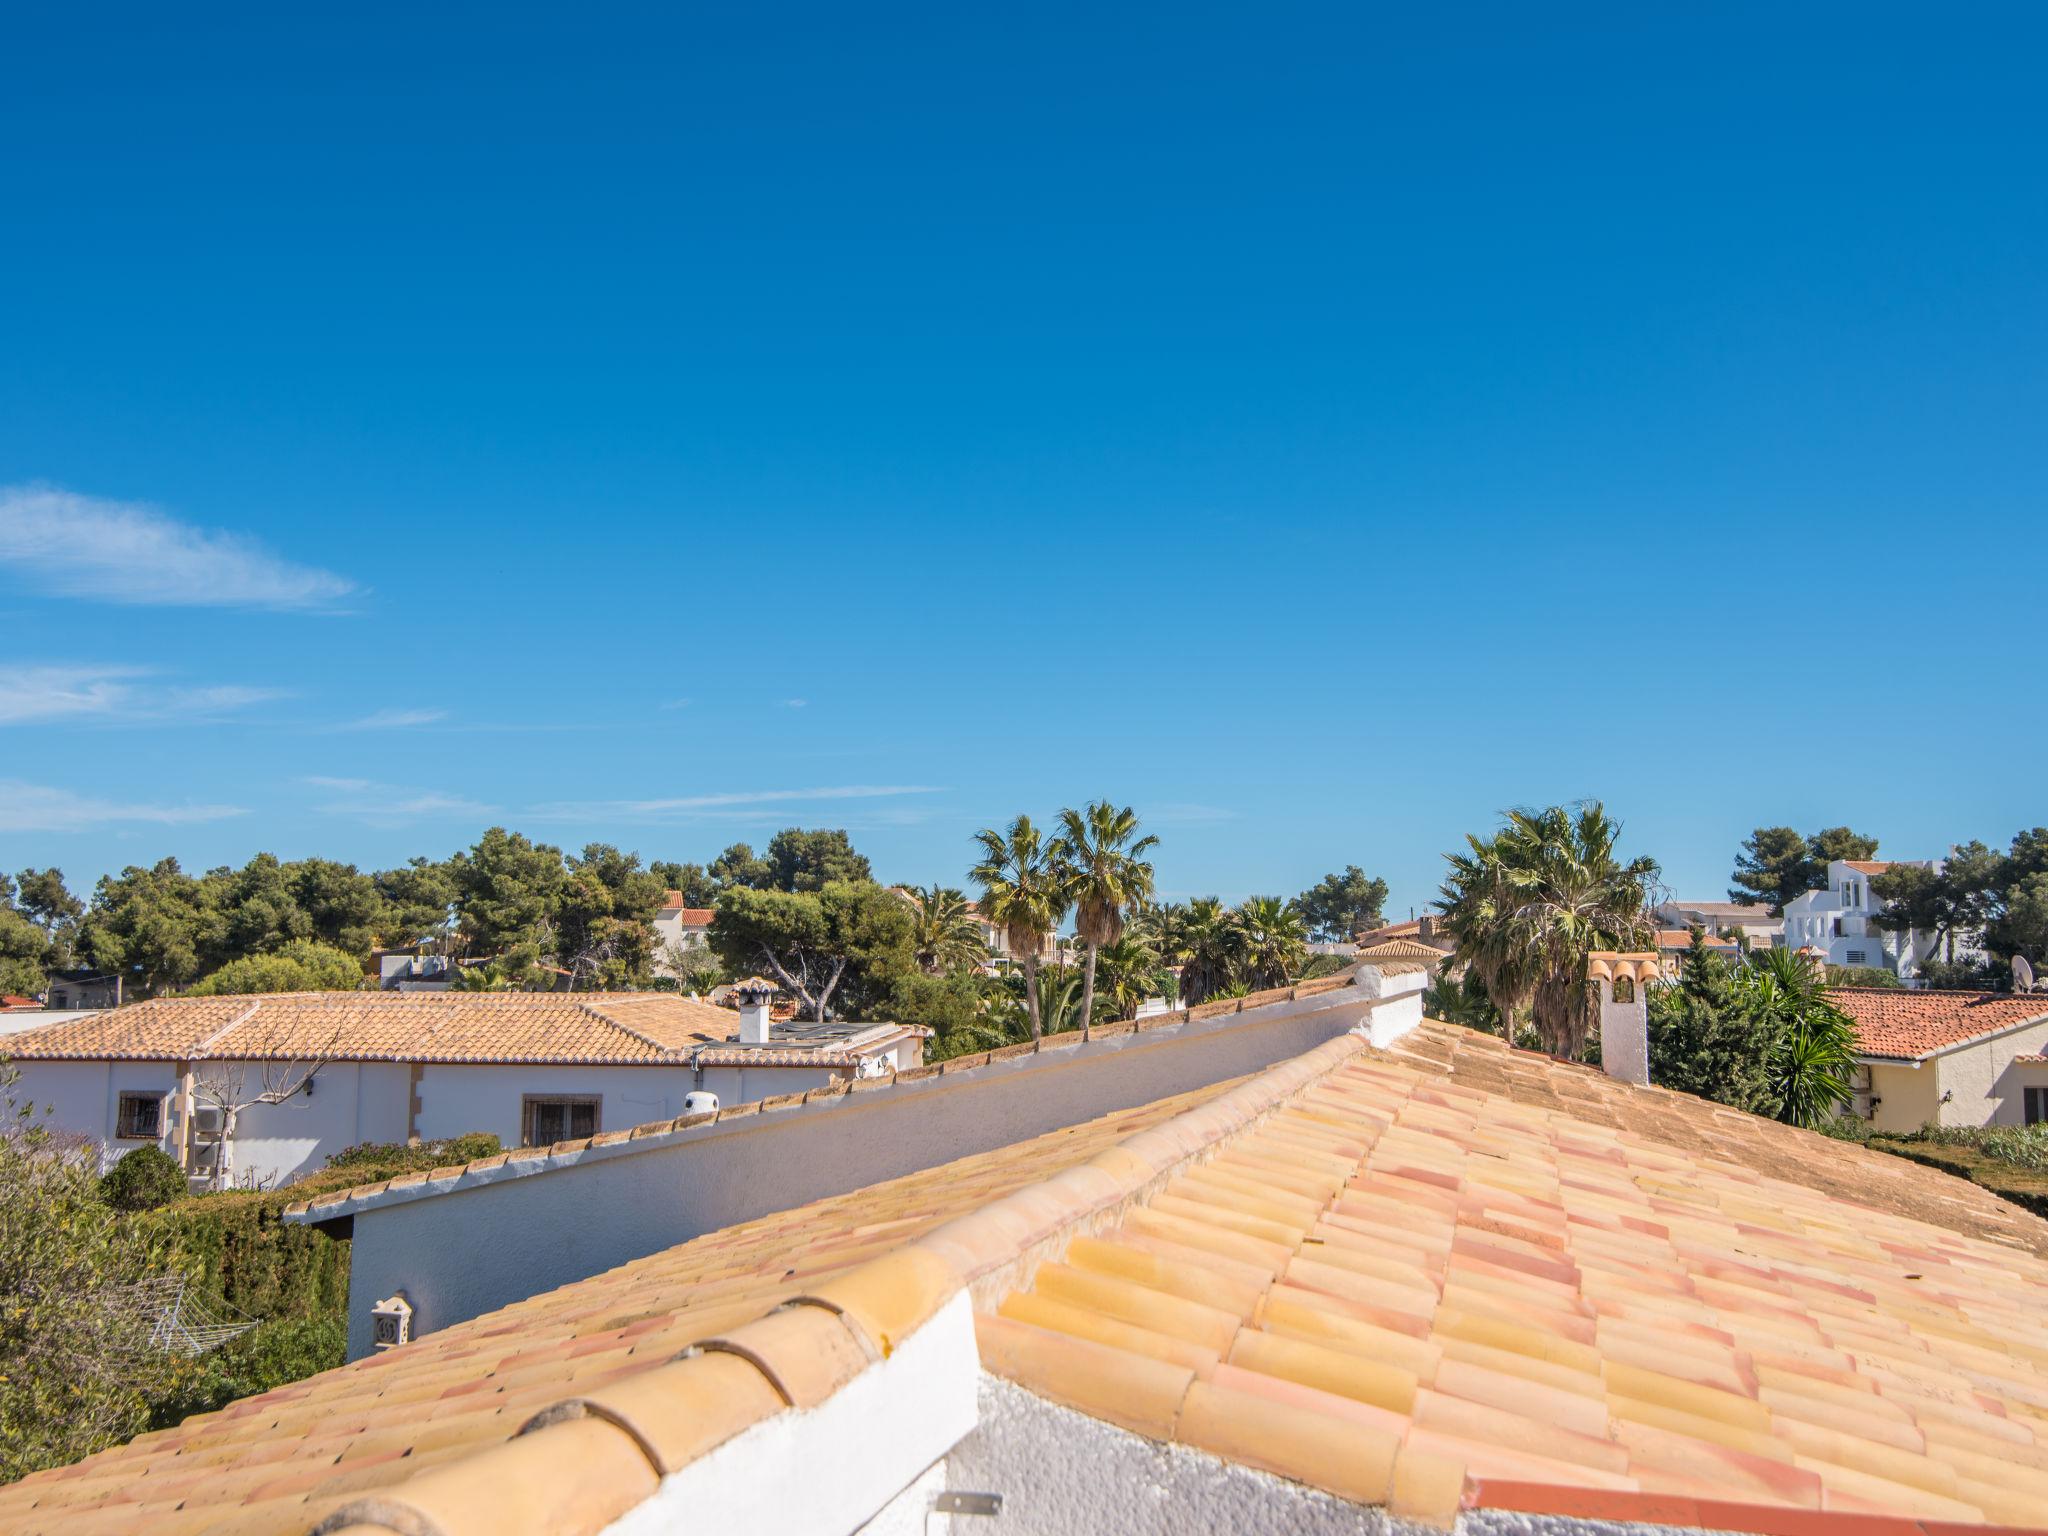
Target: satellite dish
[{"x": 2022, "y": 974}]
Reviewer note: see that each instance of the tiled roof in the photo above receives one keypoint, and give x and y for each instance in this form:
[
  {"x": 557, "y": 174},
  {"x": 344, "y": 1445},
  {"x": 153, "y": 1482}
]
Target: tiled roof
[
  {"x": 1681, "y": 938},
  {"x": 282, "y": 1461},
  {"x": 1450, "y": 1274},
  {"x": 1892, "y": 1021},
  {"x": 394, "y": 1026},
  {"x": 694, "y": 917},
  {"x": 1400, "y": 949},
  {"x": 1869, "y": 866}
]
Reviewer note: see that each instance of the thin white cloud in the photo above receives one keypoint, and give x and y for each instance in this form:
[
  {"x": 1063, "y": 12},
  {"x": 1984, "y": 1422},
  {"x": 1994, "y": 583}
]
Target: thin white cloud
[
  {"x": 677, "y": 704},
  {"x": 113, "y": 695},
  {"x": 128, "y": 552},
  {"x": 795, "y": 703},
  {"x": 392, "y": 720},
  {"x": 717, "y": 807},
  {"x": 393, "y": 805},
  {"x": 28, "y": 807}
]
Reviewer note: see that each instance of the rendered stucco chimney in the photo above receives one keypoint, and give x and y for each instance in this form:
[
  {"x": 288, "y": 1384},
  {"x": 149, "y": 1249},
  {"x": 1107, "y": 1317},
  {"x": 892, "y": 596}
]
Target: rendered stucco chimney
[
  {"x": 1624, "y": 982},
  {"x": 753, "y": 996}
]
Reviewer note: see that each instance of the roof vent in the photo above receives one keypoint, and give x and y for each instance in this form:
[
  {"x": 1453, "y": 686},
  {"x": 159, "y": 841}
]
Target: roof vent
[{"x": 754, "y": 995}]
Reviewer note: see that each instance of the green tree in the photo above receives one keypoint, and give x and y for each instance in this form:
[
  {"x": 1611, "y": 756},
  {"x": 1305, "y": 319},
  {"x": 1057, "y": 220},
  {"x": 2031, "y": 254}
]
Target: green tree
[
  {"x": 1461, "y": 1000},
  {"x": 1194, "y": 940},
  {"x": 24, "y": 947},
  {"x": 1702, "y": 1042},
  {"x": 1268, "y": 941},
  {"x": 800, "y": 860},
  {"x": 954, "y": 1007},
  {"x": 693, "y": 882},
  {"x": 147, "y": 924},
  {"x": 417, "y": 902},
  {"x": 77, "y": 1371},
  {"x": 604, "y": 914},
  {"x": 42, "y": 897},
  {"x": 1024, "y": 893},
  {"x": 815, "y": 942},
  {"x": 944, "y": 932},
  {"x": 299, "y": 965},
  {"x": 1106, "y": 876},
  {"x": 342, "y": 906},
  {"x": 1813, "y": 1060},
  {"x": 1773, "y": 866},
  {"x": 737, "y": 866},
  {"x": 1831, "y": 843},
  {"x": 1338, "y": 907},
  {"x": 506, "y": 893},
  {"x": 1527, "y": 906},
  {"x": 1131, "y": 972}
]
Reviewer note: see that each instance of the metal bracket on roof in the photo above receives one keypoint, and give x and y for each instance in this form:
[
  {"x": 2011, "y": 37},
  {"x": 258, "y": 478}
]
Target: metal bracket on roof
[{"x": 955, "y": 1501}]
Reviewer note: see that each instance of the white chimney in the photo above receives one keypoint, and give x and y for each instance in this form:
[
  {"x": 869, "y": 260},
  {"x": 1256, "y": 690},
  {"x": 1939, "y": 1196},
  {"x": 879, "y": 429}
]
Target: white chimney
[{"x": 753, "y": 996}]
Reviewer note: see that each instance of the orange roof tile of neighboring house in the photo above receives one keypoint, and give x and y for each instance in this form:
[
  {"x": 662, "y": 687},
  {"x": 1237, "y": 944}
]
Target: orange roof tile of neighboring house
[
  {"x": 1891, "y": 1021},
  {"x": 1681, "y": 938},
  {"x": 1446, "y": 1276},
  {"x": 1400, "y": 949},
  {"x": 1870, "y": 866},
  {"x": 693, "y": 917},
  {"x": 393, "y": 1026}
]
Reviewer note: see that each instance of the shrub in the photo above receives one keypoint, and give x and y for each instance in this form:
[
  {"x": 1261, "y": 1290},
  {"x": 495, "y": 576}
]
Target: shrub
[
  {"x": 300, "y": 966},
  {"x": 273, "y": 1353},
  {"x": 386, "y": 1159},
  {"x": 146, "y": 1178}
]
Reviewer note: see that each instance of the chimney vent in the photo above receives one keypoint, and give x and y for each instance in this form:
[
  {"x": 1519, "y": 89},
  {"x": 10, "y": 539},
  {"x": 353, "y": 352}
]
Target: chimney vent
[{"x": 754, "y": 995}]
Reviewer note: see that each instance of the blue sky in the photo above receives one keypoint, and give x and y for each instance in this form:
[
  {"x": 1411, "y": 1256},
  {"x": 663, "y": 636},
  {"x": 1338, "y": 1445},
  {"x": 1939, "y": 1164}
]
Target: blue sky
[{"x": 1318, "y": 427}]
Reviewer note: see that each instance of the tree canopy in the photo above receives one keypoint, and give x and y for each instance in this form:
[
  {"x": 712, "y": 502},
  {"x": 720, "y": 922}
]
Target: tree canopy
[
  {"x": 852, "y": 935},
  {"x": 1340, "y": 906},
  {"x": 1777, "y": 864}
]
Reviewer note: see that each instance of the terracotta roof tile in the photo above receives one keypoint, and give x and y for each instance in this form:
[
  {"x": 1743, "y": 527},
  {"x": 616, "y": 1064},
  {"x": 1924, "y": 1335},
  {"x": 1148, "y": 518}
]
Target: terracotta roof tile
[
  {"x": 1499, "y": 1287},
  {"x": 1892, "y": 1021},
  {"x": 396, "y": 1026},
  {"x": 1448, "y": 1275}
]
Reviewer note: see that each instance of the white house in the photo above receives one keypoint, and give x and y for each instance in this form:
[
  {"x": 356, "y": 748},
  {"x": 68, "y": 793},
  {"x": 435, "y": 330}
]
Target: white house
[
  {"x": 531, "y": 1068},
  {"x": 678, "y": 928},
  {"x": 1947, "y": 1058},
  {"x": 1840, "y": 920}
]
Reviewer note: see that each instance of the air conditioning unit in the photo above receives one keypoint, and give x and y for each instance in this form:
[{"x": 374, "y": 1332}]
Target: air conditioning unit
[{"x": 206, "y": 1120}]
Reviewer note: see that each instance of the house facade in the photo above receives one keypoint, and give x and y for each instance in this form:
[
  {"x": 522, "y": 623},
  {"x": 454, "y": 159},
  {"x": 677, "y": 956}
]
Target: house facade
[
  {"x": 1840, "y": 921},
  {"x": 1947, "y": 1058},
  {"x": 678, "y": 929},
  {"x": 530, "y": 1068}
]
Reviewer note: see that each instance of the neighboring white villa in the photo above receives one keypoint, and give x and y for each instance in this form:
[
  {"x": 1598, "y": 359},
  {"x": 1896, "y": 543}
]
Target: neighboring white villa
[
  {"x": 532, "y": 1068},
  {"x": 1839, "y": 921},
  {"x": 678, "y": 928}
]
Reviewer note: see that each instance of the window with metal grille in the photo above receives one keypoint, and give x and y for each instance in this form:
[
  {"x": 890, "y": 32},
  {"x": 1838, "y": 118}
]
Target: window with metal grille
[
  {"x": 2037, "y": 1106},
  {"x": 548, "y": 1120},
  {"x": 140, "y": 1118}
]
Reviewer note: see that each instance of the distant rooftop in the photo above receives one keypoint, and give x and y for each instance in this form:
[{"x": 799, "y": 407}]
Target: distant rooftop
[
  {"x": 1907, "y": 1025},
  {"x": 552, "y": 1027}
]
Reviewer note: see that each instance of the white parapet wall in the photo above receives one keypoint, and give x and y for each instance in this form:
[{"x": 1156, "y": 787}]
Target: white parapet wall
[
  {"x": 1399, "y": 997},
  {"x": 461, "y": 1245}
]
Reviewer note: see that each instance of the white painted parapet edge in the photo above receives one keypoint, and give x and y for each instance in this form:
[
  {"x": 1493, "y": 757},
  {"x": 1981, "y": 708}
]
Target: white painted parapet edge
[{"x": 828, "y": 1470}]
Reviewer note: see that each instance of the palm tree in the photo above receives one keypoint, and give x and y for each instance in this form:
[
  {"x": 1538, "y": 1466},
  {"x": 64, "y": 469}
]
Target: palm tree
[
  {"x": 1192, "y": 939},
  {"x": 1106, "y": 878},
  {"x": 1023, "y": 892},
  {"x": 1529, "y": 904},
  {"x": 944, "y": 932},
  {"x": 1813, "y": 1062},
  {"x": 1130, "y": 973},
  {"x": 1269, "y": 940}
]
